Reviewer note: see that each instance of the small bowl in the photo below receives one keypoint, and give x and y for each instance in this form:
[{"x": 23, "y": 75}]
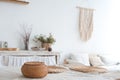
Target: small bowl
[
  {"x": 42, "y": 49},
  {"x": 35, "y": 48}
]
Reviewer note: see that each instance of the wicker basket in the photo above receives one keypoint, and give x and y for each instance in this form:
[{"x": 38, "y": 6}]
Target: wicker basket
[{"x": 34, "y": 69}]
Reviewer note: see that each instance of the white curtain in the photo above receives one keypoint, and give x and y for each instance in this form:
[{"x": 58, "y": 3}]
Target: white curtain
[
  {"x": 0, "y": 60},
  {"x": 18, "y": 61},
  {"x": 49, "y": 60},
  {"x": 85, "y": 23}
]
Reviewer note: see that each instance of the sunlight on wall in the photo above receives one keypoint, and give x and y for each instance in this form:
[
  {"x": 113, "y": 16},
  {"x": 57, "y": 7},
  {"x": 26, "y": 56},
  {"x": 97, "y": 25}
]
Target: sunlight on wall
[
  {"x": 112, "y": 38},
  {"x": 61, "y": 18}
]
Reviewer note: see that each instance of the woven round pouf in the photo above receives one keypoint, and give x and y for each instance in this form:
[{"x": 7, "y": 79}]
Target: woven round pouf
[{"x": 34, "y": 69}]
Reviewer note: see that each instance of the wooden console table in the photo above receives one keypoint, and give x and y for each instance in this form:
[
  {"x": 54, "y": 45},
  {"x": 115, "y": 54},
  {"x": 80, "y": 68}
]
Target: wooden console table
[{"x": 32, "y": 53}]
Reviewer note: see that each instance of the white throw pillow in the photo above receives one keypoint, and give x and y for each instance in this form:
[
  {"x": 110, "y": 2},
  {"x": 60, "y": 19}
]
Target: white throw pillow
[
  {"x": 70, "y": 61},
  {"x": 110, "y": 59},
  {"x": 81, "y": 58},
  {"x": 96, "y": 61}
]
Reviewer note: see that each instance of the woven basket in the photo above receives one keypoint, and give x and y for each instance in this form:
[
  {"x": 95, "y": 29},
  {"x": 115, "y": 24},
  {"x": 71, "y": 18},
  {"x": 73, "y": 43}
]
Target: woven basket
[{"x": 34, "y": 69}]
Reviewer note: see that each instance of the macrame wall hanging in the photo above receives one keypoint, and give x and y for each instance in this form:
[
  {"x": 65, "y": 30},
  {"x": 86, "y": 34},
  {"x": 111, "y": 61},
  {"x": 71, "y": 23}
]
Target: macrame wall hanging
[{"x": 85, "y": 23}]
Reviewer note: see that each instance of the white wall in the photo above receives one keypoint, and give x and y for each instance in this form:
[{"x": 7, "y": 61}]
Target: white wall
[{"x": 60, "y": 17}]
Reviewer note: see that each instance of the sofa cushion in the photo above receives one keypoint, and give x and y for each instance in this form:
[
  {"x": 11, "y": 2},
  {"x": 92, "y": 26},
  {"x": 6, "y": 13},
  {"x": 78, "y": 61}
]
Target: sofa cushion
[
  {"x": 73, "y": 65},
  {"x": 70, "y": 61},
  {"x": 109, "y": 59},
  {"x": 112, "y": 67},
  {"x": 87, "y": 69},
  {"x": 95, "y": 60},
  {"x": 56, "y": 69},
  {"x": 80, "y": 57}
]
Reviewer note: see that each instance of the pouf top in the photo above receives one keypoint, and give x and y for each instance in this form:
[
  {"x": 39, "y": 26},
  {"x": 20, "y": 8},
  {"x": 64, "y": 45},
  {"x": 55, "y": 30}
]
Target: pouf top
[{"x": 34, "y": 63}]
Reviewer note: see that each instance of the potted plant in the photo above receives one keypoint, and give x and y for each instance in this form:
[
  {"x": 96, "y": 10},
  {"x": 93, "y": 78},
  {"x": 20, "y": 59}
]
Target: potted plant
[{"x": 46, "y": 41}]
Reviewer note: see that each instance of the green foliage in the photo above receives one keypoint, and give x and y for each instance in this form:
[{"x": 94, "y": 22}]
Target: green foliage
[{"x": 44, "y": 39}]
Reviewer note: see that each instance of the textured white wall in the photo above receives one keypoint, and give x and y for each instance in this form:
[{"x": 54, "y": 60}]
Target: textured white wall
[{"x": 60, "y": 17}]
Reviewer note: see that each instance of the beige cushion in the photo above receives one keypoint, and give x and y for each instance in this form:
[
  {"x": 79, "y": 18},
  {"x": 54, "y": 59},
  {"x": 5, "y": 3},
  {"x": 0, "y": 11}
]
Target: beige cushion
[
  {"x": 87, "y": 69},
  {"x": 96, "y": 61},
  {"x": 73, "y": 65},
  {"x": 56, "y": 69},
  {"x": 80, "y": 57}
]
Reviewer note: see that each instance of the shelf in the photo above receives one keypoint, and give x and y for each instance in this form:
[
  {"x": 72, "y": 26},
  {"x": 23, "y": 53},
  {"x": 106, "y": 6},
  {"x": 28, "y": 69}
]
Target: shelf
[
  {"x": 16, "y": 1},
  {"x": 9, "y": 49}
]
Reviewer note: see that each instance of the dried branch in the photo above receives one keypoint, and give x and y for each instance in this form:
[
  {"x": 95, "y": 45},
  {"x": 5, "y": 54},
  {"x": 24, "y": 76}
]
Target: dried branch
[{"x": 25, "y": 34}]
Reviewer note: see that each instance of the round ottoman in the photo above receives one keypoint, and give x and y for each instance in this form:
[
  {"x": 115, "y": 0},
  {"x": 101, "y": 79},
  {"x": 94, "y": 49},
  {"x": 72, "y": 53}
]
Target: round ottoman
[{"x": 34, "y": 69}]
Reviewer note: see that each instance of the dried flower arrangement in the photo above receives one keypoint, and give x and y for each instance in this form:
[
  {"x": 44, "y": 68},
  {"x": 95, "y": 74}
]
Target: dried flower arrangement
[{"x": 25, "y": 34}]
